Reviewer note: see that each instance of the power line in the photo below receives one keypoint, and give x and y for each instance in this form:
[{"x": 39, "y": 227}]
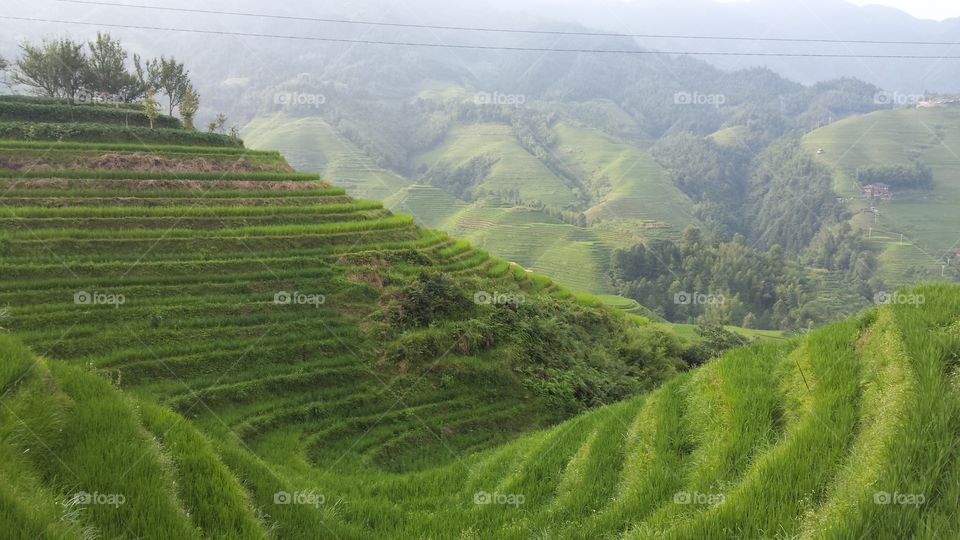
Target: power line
[
  {"x": 481, "y": 47},
  {"x": 506, "y": 30}
]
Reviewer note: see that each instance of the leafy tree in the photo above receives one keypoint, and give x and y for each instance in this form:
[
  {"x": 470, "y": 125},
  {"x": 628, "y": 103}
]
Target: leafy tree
[
  {"x": 151, "y": 108},
  {"x": 715, "y": 340},
  {"x": 189, "y": 107},
  {"x": 170, "y": 77},
  {"x": 106, "y": 70},
  {"x": 54, "y": 68},
  {"x": 3, "y": 67}
]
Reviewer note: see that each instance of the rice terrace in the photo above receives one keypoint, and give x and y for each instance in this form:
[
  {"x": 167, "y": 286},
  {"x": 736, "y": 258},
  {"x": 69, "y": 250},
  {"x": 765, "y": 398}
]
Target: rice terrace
[{"x": 325, "y": 279}]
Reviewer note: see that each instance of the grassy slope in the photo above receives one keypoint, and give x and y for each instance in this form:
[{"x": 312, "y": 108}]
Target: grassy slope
[
  {"x": 310, "y": 144},
  {"x": 517, "y": 235},
  {"x": 731, "y": 136},
  {"x": 740, "y": 447},
  {"x": 515, "y": 168},
  {"x": 638, "y": 200},
  {"x": 927, "y": 219},
  {"x": 536, "y": 241},
  {"x": 633, "y": 185},
  {"x": 430, "y": 206}
]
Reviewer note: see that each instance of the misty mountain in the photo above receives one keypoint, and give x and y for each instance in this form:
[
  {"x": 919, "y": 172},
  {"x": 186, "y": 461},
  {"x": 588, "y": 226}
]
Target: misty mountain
[{"x": 817, "y": 19}]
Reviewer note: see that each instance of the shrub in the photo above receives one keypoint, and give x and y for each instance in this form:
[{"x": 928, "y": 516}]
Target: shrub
[
  {"x": 430, "y": 297},
  {"x": 38, "y": 131},
  {"x": 62, "y": 113}
]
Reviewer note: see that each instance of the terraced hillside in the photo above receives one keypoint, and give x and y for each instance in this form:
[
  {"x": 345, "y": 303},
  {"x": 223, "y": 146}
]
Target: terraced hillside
[
  {"x": 633, "y": 197},
  {"x": 926, "y": 218},
  {"x": 514, "y": 168},
  {"x": 310, "y": 144},
  {"x": 630, "y": 184},
  {"x": 202, "y": 311}
]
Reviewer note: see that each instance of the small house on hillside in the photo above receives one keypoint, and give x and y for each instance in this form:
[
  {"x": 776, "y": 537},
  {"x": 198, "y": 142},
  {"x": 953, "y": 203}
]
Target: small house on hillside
[
  {"x": 940, "y": 101},
  {"x": 877, "y": 191}
]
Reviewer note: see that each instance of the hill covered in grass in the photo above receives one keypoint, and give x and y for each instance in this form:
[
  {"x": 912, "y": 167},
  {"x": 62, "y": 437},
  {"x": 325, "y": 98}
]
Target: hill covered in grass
[
  {"x": 216, "y": 311},
  {"x": 507, "y": 199},
  {"x": 924, "y": 215}
]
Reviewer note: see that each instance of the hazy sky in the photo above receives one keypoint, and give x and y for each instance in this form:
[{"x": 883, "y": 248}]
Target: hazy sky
[{"x": 925, "y": 9}]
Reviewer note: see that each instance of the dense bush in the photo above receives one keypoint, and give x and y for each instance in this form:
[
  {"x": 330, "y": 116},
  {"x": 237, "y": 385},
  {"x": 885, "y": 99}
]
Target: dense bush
[
  {"x": 913, "y": 176},
  {"x": 715, "y": 341},
  {"x": 64, "y": 113},
  {"x": 36, "y": 131},
  {"x": 573, "y": 355},
  {"x": 430, "y": 297}
]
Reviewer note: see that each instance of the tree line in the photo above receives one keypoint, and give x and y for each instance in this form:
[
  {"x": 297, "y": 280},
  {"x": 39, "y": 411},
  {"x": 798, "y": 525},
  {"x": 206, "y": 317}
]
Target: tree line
[
  {"x": 913, "y": 176},
  {"x": 103, "y": 71}
]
